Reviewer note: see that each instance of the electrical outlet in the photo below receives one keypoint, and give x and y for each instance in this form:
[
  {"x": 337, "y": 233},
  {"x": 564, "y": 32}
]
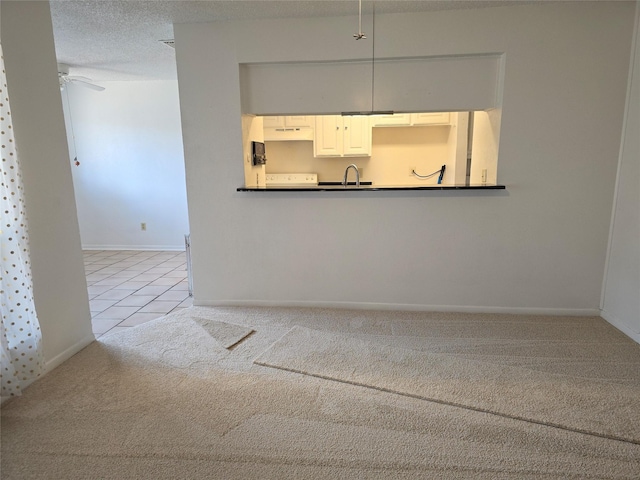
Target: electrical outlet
[
  {"x": 484, "y": 176},
  {"x": 143, "y": 226}
]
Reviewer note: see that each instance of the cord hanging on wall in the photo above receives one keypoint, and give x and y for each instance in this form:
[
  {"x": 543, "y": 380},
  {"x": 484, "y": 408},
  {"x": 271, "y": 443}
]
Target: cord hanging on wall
[
  {"x": 73, "y": 135},
  {"x": 440, "y": 172},
  {"x": 65, "y": 79}
]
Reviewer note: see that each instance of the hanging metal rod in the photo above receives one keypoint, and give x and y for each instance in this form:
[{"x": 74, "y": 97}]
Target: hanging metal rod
[{"x": 360, "y": 35}]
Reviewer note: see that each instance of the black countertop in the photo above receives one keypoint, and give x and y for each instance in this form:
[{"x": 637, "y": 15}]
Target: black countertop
[
  {"x": 326, "y": 184},
  {"x": 364, "y": 188}
]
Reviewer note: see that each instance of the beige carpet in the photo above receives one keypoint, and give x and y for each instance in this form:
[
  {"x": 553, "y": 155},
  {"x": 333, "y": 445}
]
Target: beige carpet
[
  {"x": 167, "y": 400},
  {"x": 226, "y": 334},
  {"x": 554, "y": 400}
]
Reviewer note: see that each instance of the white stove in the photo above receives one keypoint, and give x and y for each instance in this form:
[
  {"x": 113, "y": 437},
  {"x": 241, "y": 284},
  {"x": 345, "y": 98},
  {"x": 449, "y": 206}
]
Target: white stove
[{"x": 291, "y": 179}]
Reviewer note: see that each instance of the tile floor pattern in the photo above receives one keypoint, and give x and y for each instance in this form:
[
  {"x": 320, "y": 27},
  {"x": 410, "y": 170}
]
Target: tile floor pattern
[{"x": 127, "y": 288}]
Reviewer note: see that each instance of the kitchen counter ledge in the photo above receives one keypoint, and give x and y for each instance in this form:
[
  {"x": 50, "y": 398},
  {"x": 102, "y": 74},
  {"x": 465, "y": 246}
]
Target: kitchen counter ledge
[{"x": 365, "y": 188}]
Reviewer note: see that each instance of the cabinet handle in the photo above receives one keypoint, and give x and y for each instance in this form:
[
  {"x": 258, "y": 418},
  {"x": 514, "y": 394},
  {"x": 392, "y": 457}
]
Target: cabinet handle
[
  {"x": 345, "y": 127},
  {"x": 337, "y": 128}
]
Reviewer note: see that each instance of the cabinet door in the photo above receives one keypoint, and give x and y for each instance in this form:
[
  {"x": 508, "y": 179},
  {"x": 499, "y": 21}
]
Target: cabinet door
[
  {"x": 273, "y": 122},
  {"x": 397, "y": 119},
  {"x": 298, "y": 121},
  {"x": 328, "y": 136},
  {"x": 437, "y": 118},
  {"x": 357, "y": 136}
]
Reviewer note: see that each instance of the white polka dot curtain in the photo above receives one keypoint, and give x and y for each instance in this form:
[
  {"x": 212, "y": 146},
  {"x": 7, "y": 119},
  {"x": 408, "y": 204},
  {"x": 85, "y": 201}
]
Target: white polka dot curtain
[{"x": 22, "y": 359}]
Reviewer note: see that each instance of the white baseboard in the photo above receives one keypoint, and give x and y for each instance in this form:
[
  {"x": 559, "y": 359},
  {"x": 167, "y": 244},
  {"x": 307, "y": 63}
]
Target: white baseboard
[
  {"x": 565, "y": 312},
  {"x": 142, "y": 248},
  {"x": 69, "y": 352},
  {"x": 620, "y": 325}
]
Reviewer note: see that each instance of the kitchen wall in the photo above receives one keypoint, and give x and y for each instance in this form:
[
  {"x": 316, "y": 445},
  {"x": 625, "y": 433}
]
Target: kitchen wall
[
  {"x": 620, "y": 301},
  {"x": 395, "y": 151},
  {"x": 537, "y": 247},
  {"x": 485, "y": 145},
  {"x": 129, "y": 143},
  {"x": 59, "y": 286}
]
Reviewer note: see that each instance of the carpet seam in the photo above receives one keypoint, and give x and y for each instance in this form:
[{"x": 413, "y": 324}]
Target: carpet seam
[
  {"x": 359, "y": 464},
  {"x": 232, "y": 347},
  {"x": 454, "y": 404}
]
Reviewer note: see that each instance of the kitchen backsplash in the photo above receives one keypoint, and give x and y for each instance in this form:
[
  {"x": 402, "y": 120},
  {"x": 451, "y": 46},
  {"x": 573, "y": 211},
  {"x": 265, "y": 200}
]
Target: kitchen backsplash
[{"x": 396, "y": 151}]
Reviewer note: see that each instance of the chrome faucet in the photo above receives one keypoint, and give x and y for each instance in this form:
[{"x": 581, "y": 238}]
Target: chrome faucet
[{"x": 346, "y": 174}]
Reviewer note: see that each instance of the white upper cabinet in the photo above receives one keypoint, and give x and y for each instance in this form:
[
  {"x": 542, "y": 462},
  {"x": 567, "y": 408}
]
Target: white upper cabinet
[
  {"x": 294, "y": 127},
  {"x": 410, "y": 119},
  {"x": 435, "y": 118},
  {"x": 393, "y": 120},
  {"x": 357, "y": 136},
  {"x": 291, "y": 121},
  {"x": 338, "y": 136},
  {"x": 328, "y": 138},
  {"x": 298, "y": 121},
  {"x": 273, "y": 122}
]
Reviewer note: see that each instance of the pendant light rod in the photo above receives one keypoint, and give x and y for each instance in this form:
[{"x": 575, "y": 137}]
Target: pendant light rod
[
  {"x": 360, "y": 35},
  {"x": 373, "y": 52}
]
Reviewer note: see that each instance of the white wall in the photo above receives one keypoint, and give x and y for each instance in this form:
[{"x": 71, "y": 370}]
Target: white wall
[
  {"x": 60, "y": 290},
  {"x": 539, "y": 246},
  {"x": 486, "y": 140},
  {"x": 252, "y": 131},
  {"x": 129, "y": 144},
  {"x": 621, "y": 299},
  {"x": 451, "y": 83}
]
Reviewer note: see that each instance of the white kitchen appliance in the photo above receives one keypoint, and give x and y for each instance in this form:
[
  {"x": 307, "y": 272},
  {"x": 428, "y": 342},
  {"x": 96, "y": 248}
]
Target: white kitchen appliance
[{"x": 291, "y": 179}]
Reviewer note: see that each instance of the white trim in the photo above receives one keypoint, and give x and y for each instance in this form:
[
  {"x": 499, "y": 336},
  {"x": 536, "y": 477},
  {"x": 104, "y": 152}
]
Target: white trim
[
  {"x": 69, "y": 352},
  {"x": 564, "y": 312},
  {"x": 634, "y": 42},
  {"x": 620, "y": 325},
  {"x": 164, "y": 248}
]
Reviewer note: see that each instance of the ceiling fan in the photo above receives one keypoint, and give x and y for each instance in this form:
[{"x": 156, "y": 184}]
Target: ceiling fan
[{"x": 65, "y": 78}]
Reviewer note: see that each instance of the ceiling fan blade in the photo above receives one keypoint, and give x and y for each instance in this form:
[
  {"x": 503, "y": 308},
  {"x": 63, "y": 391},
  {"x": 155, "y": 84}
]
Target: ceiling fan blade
[
  {"x": 78, "y": 77},
  {"x": 85, "y": 83}
]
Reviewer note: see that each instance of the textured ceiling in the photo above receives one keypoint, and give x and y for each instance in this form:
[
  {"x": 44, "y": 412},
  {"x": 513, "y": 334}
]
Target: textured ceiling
[{"x": 119, "y": 40}]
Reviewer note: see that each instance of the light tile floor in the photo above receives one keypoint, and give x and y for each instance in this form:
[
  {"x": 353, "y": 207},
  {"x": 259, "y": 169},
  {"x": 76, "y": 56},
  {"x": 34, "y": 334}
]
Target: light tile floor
[{"x": 127, "y": 288}]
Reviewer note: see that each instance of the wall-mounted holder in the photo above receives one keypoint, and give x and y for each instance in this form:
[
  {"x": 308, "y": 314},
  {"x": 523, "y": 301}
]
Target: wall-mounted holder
[{"x": 258, "y": 156}]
